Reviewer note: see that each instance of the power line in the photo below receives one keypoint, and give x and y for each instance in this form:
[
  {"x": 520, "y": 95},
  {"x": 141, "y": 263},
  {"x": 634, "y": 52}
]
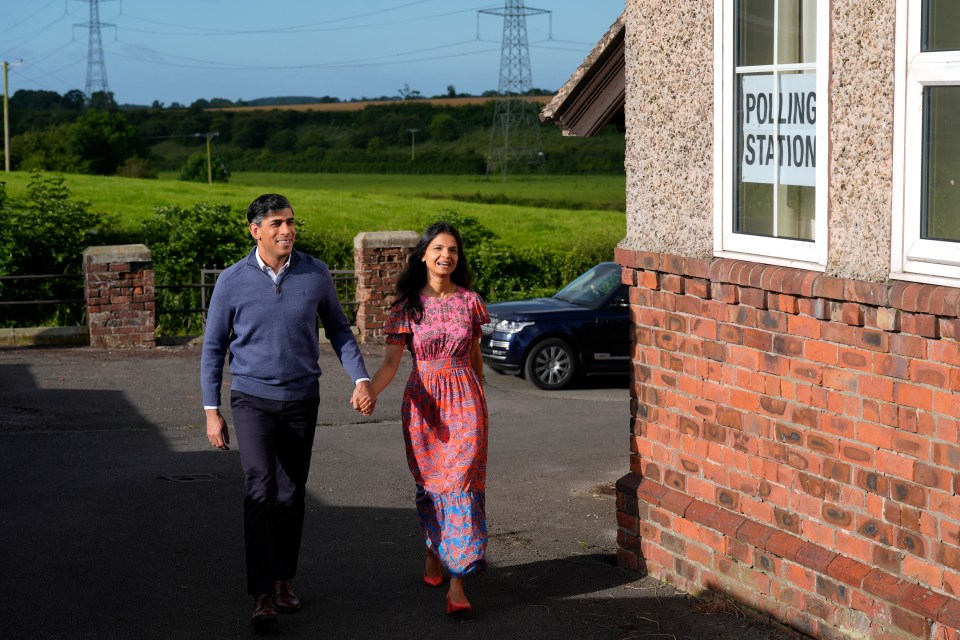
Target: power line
[
  {"x": 28, "y": 18},
  {"x": 359, "y": 62},
  {"x": 302, "y": 28}
]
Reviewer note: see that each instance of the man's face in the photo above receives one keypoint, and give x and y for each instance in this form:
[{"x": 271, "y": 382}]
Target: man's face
[{"x": 275, "y": 236}]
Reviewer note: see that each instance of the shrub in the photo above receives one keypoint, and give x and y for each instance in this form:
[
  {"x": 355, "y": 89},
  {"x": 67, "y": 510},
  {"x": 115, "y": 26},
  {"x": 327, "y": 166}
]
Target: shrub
[
  {"x": 184, "y": 241},
  {"x": 195, "y": 169},
  {"x": 45, "y": 234}
]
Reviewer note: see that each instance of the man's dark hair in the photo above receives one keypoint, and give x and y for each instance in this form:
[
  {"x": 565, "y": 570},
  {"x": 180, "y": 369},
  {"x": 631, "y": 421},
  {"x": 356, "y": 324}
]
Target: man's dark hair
[{"x": 265, "y": 205}]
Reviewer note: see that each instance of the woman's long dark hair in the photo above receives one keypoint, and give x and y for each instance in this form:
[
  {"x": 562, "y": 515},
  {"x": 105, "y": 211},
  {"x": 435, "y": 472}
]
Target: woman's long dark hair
[{"x": 414, "y": 277}]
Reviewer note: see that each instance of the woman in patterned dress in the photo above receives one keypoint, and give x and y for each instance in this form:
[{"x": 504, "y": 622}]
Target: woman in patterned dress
[{"x": 437, "y": 317}]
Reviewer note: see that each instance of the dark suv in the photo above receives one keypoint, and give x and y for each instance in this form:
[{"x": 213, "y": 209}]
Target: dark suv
[{"x": 583, "y": 329}]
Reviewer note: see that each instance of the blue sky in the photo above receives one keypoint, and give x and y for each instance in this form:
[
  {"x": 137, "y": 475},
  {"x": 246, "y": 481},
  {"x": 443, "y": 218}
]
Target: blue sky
[{"x": 184, "y": 50}]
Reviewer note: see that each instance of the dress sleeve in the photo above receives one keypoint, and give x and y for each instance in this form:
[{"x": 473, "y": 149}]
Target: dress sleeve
[
  {"x": 397, "y": 329},
  {"x": 479, "y": 314}
]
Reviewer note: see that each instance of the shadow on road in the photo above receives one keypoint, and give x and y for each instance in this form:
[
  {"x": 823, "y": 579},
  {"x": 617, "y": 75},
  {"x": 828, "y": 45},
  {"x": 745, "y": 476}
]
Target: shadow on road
[{"x": 118, "y": 521}]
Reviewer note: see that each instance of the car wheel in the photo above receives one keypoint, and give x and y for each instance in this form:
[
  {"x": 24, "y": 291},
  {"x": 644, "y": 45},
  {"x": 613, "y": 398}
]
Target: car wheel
[{"x": 551, "y": 364}]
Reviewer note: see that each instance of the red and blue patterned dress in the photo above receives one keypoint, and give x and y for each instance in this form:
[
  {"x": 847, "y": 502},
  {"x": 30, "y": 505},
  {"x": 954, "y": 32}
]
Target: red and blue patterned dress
[{"x": 445, "y": 426}]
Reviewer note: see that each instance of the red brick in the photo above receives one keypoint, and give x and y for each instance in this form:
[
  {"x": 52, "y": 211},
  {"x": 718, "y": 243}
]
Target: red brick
[
  {"x": 848, "y": 571},
  {"x": 923, "y": 601},
  {"x": 755, "y": 533},
  {"x": 675, "y": 501},
  {"x": 921, "y": 325},
  {"x": 672, "y": 283},
  {"x": 913, "y": 624},
  {"x": 651, "y": 492},
  {"x": 814, "y": 307},
  {"x": 913, "y": 396},
  {"x": 727, "y": 522},
  {"x": 647, "y": 279},
  {"x": 950, "y": 613},
  {"x": 852, "y": 314},
  {"x": 884, "y": 585},
  {"x": 872, "y": 340},
  {"x": 701, "y": 512},
  {"x": 815, "y": 557},
  {"x": 784, "y": 545}
]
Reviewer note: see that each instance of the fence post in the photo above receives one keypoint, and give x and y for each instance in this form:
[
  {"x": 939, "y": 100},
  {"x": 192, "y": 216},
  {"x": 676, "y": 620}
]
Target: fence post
[
  {"x": 118, "y": 285},
  {"x": 378, "y": 258}
]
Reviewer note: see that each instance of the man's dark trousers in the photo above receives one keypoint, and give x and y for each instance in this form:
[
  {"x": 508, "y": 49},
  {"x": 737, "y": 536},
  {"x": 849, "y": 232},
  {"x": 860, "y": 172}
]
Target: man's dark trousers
[{"x": 275, "y": 438}]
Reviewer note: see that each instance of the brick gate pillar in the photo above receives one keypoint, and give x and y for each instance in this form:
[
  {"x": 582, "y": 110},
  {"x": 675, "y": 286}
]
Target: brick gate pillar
[
  {"x": 118, "y": 285},
  {"x": 378, "y": 258}
]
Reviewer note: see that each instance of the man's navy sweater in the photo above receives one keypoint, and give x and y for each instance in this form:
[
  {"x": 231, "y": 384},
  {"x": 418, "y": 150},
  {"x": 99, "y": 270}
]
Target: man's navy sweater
[{"x": 271, "y": 333}]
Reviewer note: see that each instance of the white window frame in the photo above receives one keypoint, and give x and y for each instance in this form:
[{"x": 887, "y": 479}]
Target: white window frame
[
  {"x": 727, "y": 243},
  {"x": 912, "y": 257}
]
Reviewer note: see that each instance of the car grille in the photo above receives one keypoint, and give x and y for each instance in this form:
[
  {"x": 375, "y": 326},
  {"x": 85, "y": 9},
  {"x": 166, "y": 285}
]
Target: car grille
[
  {"x": 499, "y": 344},
  {"x": 488, "y": 328}
]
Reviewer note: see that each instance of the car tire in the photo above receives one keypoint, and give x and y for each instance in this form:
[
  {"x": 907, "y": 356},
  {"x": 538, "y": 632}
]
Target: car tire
[{"x": 552, "y": 364}]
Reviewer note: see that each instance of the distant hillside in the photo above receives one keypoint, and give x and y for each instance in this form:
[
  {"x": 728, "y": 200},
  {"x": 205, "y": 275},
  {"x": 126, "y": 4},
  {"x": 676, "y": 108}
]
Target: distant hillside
[
  {"x": 358, "y": 105},
  {"x": 286, "y": 100}
]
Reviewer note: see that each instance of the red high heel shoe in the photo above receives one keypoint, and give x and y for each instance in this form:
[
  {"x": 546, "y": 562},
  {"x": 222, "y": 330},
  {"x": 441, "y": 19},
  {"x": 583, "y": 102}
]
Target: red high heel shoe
[
  {"x": 437, "y": 581},
  {"x": 453, "y": 608}
]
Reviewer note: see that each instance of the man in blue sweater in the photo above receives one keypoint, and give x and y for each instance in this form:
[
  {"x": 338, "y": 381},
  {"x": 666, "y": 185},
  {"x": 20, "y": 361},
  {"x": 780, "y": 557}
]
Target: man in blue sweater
[{"x": 263, "y": 312}]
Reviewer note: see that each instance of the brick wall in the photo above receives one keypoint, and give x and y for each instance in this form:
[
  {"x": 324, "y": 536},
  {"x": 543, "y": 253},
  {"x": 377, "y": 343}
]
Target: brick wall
[
  {"x": 379, "y": 258},
  {"x": 118, "y": 283},
  {"x": 796, "y": 444}
]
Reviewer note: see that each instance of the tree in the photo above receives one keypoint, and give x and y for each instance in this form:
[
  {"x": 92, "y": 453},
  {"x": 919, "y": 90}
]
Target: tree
[
  {"x": 195, "y": 169},
  {"x": 406, "y": 93},
  {"x": 103, "y": 101},
  {"x": 104, "y": 140},
  {"x": 443, "y": 128},
  {"x": 45, "y": 150},
  {"x": 74, "y": 100}
]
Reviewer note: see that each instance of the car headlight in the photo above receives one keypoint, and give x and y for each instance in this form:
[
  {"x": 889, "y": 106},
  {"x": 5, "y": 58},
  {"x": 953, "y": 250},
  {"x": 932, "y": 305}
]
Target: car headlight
[{"x": 510, "y": 326}]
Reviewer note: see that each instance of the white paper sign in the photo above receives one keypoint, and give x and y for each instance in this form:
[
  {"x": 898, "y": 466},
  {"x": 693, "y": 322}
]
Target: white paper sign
[{"x": 779, "y": 129}]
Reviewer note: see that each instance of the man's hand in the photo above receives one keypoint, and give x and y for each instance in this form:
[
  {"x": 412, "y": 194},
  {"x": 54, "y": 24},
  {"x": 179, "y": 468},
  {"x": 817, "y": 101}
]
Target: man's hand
[
  {"x": 217, "y": 431},
  {"x": 363, "y": 399}
]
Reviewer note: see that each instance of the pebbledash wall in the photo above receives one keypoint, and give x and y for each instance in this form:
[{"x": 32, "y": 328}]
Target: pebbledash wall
[{"x": 795, "y": 434}]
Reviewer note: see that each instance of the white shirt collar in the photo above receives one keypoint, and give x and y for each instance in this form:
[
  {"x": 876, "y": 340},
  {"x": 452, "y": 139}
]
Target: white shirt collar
[{"x": 268, "y": 269}]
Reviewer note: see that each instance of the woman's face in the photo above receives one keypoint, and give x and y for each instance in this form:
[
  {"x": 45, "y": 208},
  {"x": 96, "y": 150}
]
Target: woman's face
[{"x": 441, "y": 255}]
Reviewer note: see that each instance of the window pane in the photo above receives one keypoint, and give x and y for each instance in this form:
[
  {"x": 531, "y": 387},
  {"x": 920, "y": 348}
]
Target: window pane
[
  {"x": 941, "y": 205},
  {"x": 797, "y": 31},
  {"x": 941, "y": 25},
  {"x": 755, "y": 32},
  {"x": 776, "y": 155}
]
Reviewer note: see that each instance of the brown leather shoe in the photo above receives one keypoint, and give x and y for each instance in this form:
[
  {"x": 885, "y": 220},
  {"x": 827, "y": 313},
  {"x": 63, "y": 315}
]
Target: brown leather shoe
[
  {"x": 265, "y": 613},
  {"x": 284, "y": 597}
]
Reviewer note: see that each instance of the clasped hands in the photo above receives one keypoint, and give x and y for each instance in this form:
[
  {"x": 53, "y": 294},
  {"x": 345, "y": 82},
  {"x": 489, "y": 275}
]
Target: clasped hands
[{"x": 363, "y": 398}]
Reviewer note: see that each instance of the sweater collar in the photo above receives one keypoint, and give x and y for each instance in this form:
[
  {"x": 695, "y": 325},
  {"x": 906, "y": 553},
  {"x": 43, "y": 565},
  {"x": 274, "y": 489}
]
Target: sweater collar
[{"x": 254, "y": 260}]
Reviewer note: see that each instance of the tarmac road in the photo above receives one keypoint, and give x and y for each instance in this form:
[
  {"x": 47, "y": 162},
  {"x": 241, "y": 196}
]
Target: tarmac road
[{"x": 119, "y": 520}]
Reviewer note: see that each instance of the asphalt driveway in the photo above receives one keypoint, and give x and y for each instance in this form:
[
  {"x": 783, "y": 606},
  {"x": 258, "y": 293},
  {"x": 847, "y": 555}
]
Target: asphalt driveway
[{"x": 119, "y": 520}]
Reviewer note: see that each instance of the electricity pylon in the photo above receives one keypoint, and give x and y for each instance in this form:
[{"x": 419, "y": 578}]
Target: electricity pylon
[
  {"x": 515, "y": 136},
  {"x": 96, "y": 68}
]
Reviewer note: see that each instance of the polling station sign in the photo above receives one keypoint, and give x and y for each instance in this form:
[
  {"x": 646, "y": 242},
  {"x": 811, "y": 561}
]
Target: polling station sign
[{"x": 779, "y": 129}]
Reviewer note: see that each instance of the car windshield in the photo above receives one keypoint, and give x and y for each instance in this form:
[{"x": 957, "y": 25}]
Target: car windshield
[{"x": 592, "y": 286}]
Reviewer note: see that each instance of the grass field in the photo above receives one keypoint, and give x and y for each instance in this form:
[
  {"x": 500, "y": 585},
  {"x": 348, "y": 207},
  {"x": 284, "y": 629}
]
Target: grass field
[{"x": 567, "y": 211}]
